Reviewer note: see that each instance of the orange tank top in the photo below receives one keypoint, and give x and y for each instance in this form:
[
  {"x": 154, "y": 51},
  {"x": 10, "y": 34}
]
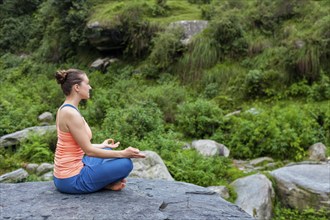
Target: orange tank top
[{"x": 68, "y": 154}]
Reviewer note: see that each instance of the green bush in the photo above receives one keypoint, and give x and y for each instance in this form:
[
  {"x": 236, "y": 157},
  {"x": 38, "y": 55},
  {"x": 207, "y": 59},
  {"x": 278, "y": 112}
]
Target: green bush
[
  {"x": 166, "y": 48},
  {"x": 37, "y": 149},
  {"x": 189, "y": 166},
  {"x": 281, "y": 213},
  {"x": 282, "y": 132},
  {"x": 261, "y": 83},
  {"x": 198, "y": 119},
  {"x": 168, "y": 103},
  {"x": 202, "y": 53},
  {"x": 229, "y": 36},
  {"x": 133, "y": 123}
]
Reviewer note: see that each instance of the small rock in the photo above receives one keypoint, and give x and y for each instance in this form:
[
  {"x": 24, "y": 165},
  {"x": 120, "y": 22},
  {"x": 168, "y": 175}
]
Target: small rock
[
  {"x": 260, "y": 161},
  {"x": 47, "y": 176},
  {"x": 31, "y": 167},
  {"x": 44, "y": 168},
  {"x": 46, "y": 117},
  {"x": 317, "y": 152}
]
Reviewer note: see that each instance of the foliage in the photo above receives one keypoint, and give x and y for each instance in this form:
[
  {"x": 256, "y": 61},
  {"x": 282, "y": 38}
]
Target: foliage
[
  {"x": 198, "y": 119},
  {"x": 134, "y": 123},
  {"x": 166, "y": 48},
  {"x": 168, "y": 104},
  {"x": 201, "y": 54},
  {"x": 64, "y": 26},
  {"x": 280, "y": 132},
  {"x": 281, "y": 213},
  {"x": 36, "y": 149}
]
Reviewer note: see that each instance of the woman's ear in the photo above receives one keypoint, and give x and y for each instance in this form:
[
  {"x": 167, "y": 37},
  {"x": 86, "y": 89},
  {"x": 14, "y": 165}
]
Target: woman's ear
[{"x": 76, "y": 88}]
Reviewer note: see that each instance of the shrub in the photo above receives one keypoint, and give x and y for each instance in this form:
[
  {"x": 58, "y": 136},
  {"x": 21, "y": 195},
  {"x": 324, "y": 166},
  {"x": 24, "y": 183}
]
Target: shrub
[
  {"x": 134, "y": 123},
  {"x": 198, "y": 119},
  {"x": 261, "y": 83},
  {"x": 202, "y": 54},
  {"x": 229, "y": 36},
  {"x": 280, "y": 132},
  {"x": 166, "y": 48},
  {"x": 189, "y": 166},
  {"x": 168, "y": 103},
  {"x": 37, "y": 149}
]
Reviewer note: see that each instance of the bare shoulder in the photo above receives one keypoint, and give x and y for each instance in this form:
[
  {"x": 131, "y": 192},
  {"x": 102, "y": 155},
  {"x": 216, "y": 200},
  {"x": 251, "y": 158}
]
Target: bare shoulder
[{"x": 70, "y": 116}]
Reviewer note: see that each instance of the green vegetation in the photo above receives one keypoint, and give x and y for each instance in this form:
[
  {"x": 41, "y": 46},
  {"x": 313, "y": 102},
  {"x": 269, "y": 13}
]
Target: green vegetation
[{"x": 268, "y": 59}]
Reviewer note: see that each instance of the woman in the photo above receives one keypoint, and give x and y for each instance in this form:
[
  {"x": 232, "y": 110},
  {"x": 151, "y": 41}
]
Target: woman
[{"x": 79, "y": 165}]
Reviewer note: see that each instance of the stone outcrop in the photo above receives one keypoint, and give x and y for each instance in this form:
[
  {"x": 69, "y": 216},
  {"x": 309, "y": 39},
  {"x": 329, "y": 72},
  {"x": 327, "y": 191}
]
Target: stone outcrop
[
  {"x": 141, "y": 199},
  {"x": 15, "y": 138},
  {"x": 151, "y": 167},
  {"x": 190, "y": 28},
  {"x": 303, "y": 185},
  {"x": 14, "y": 176},
  {"x": 255, "y": 195},
  {"x": 210, "y": 148}
]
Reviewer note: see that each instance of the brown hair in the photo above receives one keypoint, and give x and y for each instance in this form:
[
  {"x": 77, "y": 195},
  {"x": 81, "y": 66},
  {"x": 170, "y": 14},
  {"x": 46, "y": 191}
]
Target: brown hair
[{"x": 68, "y": 78}]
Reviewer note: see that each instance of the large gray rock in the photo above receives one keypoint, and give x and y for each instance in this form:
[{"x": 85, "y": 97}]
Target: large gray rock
[
  {"x": 255, "y": 195},
  {"x": 14, "y": 176},
  {"x": 15, "y": 138},
  {"x": 151, "y": 167},
  {"x": 141, "y": 199},
  {"x": 210, "y": 148},
  {"x": 190, "y": 28},
  {"x": 303, "y": 185}
]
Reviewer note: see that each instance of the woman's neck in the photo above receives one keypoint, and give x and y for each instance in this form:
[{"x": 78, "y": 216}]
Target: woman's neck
[{"x": 72, "y": 100}]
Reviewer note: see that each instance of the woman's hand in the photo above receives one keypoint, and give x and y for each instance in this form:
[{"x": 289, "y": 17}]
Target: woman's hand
[
  {"x": 106, "y": 144},
  {"x": 112, "y": 145},
  {"x": 132, "y": 152}
]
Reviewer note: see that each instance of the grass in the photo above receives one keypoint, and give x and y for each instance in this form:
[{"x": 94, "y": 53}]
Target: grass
[{"x": 177, "y": 10}]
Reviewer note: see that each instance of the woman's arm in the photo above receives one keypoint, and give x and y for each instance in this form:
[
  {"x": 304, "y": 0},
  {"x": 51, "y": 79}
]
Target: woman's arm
[{"x": 77, "y": 129}]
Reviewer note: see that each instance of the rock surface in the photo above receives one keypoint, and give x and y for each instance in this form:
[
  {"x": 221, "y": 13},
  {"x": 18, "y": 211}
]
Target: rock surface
[
  {"x": 14, "y": 176},
  {"x": 210, "y": 148},
  {"x": 303, "y": 185},
  {"x": 151, "y": 167},
  {"x": 255, "y": 195},
  {"x": 141, "y": 199},
  {"x": 15, "y": 138}
]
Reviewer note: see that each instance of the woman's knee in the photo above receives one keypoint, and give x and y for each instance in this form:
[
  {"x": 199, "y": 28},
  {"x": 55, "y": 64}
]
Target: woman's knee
[{"x": 128, "y": 164}]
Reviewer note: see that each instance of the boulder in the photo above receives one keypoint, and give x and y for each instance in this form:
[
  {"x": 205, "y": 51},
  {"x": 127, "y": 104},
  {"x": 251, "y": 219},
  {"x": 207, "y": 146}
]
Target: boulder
[
  {"x": 46, "y": 117},
  {"x": 14, "y": 176},
  {"x": 152, "y": 167},
  {"x": 190, "y": 28},
  {"x": 44, "y": 168},
  {"x": 105, "y": 38},
  {"x": 303, "y": 185},
  {"x": 317, "y": 152},
  {"x": 141, "y": 199},
  {"x": 15, "y": 138},
  {"x": 255, "y": 195},
  {"x": 210, "y": 148},
  {"x": 31, "y": 167}
]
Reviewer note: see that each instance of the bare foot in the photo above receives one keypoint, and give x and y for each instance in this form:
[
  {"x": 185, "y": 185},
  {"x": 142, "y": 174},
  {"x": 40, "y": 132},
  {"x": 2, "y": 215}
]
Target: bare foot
[{"x": 117, "y": 185}]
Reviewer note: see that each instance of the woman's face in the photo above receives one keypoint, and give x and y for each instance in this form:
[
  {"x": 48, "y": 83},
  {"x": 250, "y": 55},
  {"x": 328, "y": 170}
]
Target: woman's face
[{"x": 84, "y": 88}]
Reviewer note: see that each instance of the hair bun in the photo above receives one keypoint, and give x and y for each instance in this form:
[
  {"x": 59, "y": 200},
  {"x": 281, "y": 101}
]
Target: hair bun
[{"x": 61, "y": 76}]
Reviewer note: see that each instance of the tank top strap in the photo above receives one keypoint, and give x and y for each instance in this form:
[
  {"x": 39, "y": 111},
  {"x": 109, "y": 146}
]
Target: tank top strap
[{"x": 69, "y": 105}]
